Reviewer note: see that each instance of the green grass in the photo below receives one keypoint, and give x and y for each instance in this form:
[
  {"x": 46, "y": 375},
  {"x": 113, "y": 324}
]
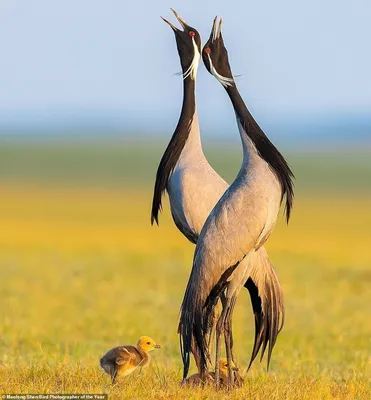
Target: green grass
[
  {"x": 81, "y": 271},
  {"x": 119, "y": 163}
]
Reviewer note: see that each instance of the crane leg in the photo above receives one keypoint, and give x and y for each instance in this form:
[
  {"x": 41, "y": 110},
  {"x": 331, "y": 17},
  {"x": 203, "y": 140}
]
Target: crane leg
[
  {"x": 196, "y": 355},
  {"x": 228, "y": 342},
  {"x": 211, "y": 332},
  {"x": 233, "y": 303},
  {"x": 235, "y": 379},
  {"x": 219, "y": 331}
]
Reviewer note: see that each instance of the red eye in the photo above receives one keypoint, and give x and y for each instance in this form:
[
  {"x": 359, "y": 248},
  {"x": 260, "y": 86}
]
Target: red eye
[
  {"x": 192, "y": 34},
  {"x": 207, "y": 50}
]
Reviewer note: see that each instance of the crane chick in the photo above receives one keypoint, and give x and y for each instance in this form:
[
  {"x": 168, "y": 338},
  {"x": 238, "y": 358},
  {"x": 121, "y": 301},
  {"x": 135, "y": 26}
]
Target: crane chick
[
  {"x": 195, "y": 380},
  {"x": 123, "y": 360}
]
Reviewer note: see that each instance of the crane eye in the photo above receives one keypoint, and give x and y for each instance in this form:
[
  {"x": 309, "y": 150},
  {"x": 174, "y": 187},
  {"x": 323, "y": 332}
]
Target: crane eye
[
  {"x": 192, "y": 34},
  {"x": 148, "y": 342},
  {"x": 207, "y": 50}
]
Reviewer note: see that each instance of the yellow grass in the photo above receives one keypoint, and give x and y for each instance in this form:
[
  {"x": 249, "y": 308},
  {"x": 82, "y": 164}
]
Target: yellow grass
[{"x": 83, "y": 271}]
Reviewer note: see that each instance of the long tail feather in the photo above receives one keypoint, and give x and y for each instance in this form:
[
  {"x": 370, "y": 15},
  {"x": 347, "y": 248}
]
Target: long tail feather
[{"x": 267, "y": 303}]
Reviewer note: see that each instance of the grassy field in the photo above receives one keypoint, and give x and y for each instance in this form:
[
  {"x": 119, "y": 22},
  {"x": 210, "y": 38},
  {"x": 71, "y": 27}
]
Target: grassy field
[{"x": 81, "y": 271}]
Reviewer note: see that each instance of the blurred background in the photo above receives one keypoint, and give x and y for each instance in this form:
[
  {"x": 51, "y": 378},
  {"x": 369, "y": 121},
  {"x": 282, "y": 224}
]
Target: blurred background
[
  {"x": 106, "y": 67},
  {"x": 88, "y": 102}
]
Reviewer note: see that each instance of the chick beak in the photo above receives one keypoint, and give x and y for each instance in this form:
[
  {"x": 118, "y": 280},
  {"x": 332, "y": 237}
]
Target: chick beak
[
  {"x": 235, "y": 369},
  {"x": 157, "y": 346}
]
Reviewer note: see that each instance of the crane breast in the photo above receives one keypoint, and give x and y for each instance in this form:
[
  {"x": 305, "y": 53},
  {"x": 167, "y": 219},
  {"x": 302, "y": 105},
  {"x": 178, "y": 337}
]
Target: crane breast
[{"x": 193, "y": 193}]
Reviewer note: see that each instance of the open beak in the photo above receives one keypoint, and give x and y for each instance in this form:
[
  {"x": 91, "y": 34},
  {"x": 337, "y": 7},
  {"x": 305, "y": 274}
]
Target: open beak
[
  {"x": 181, "y": 21},
  {"x": 157, "y": 346},
  {"x": 216, "y": 30}
]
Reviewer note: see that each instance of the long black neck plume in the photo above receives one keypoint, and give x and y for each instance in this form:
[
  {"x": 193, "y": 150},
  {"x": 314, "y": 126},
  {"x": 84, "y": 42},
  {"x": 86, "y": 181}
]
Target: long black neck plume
[
  {"x": 265, "y": 148},
  {"x": 175, "y": 147}
]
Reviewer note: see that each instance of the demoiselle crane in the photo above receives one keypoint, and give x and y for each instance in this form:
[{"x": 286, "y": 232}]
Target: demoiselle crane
[
  {"x": 194, "y": 188},
  {"x": 229, "y": 248}
]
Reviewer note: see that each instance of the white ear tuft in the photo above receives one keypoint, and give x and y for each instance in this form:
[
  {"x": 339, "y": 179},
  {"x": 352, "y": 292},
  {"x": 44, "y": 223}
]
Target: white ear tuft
[
  {"x": 192, "y": 70},
  {"x": 222, "y": 79}
]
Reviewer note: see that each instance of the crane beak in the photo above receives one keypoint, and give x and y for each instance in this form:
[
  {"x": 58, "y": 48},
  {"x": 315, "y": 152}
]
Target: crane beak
[
  {"x": 175, "y": 29},
  {"x": 181, "y": 21},
  {"x": 157, "y": 346},
  {"x": 216, "y": 30}
]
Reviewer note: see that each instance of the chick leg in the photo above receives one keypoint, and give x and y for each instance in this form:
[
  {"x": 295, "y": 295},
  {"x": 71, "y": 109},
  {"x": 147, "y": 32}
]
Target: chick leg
[{"x": 114, "y": 376}]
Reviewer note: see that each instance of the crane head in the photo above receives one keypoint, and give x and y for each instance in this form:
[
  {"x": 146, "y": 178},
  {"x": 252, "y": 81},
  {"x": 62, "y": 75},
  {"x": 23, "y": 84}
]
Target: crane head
[
  {"x": 215, "y": 56},
  {"x": 188, "y": 43}
]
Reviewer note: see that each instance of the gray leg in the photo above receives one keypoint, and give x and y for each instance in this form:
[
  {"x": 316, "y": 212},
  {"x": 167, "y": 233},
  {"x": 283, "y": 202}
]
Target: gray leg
[
  {"x": 219, "y": 331},
  {"x": 217, "y": 353},
  {"x": 196, "y": 355},
  {"x": 211, "y": 330},
  {"x": 228, "y": 344},
  {"x": 237, "y": 377},
  {"x": 233, "y": 303}
]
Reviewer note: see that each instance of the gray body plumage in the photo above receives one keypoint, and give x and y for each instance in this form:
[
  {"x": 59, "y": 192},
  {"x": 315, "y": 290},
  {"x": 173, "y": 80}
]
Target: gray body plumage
[
  {"x": 244, "y": 214},
  {"x": 239, "y": 221},
  {"x": 194, "y": 187}
]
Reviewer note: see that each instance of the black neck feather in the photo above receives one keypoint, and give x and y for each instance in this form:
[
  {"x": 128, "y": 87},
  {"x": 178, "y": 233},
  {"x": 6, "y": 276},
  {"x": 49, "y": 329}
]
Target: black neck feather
[
  {"x": 175, "y": 147},
  {"x": 265, "y": 148}
]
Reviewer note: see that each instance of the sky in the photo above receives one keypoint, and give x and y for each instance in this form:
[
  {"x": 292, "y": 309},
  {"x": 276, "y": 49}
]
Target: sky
[{"x": 114, "y": 62}]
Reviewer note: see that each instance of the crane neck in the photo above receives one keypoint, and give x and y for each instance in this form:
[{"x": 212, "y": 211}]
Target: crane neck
[
  {"x": 189, "y": 98},
  {"x": 256, "y": 144},
  {"x": 184, "y": 146},
  {"x": 250, "y": 132},
  {"x": 187, "y": 132}
]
